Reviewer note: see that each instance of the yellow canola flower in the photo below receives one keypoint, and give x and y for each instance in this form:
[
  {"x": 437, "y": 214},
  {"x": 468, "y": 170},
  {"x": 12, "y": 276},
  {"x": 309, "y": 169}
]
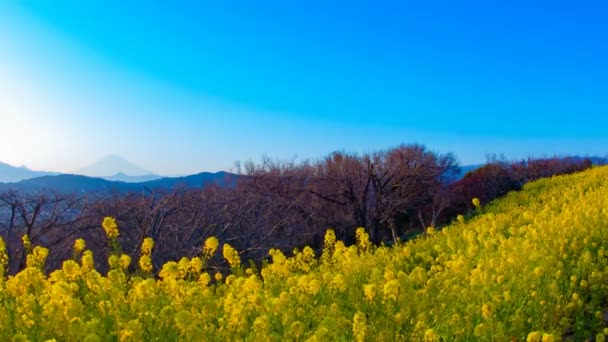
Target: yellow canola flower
[
  {"x": 362, "y": 239},
  {"x": 27, "y": 244},
  {"x": 196, "y": 265},
  {"x": 110, "y": 227},
  {"x": 534, "y": 336},
  {"x": 330, "y": 238},
  {"x": 170, "y": 270},
  {"x": 3, "y": 258},
  {"x": 125, "y": 261},
  {"x": 486, "y": 311},
  {"x": 87, "y": 261},
  {"x": 79, "y": 245},
  {"x": 231, "y": 255},
  {"x": 37, "y": 257},
  {"x": 146, "y": 246},
  {"x": 476, "y": 202},
  {"x": 145, "y": 263},
  {"x": 551, "y": 338},
  {"x": 359, "y": 326},
  {"x": 369, "y": 291},
  {"x": 210, "y": 246},
  {"x": 430, "y": 335},
  {"x": 71, "y": 269}
]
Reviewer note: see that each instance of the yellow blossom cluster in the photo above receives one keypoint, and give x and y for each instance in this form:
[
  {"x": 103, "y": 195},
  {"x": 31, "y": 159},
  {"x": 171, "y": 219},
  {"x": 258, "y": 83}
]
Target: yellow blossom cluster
[
  {"x": 110, "y": 227},
  {"x": 532, "y": 266},
  {"x": 145, "y": 258}
]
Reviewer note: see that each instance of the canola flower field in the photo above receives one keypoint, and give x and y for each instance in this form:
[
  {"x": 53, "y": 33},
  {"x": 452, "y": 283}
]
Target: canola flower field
[{"x": 532, "y": 266}]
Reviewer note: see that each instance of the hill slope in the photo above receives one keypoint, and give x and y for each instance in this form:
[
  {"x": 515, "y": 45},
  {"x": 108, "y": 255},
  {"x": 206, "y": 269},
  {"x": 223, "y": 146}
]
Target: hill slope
[{"x": 532, "y": 265}]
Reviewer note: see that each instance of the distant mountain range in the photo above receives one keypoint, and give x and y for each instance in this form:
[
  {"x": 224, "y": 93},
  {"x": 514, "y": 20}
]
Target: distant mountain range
[
  {"x": 65, "y": 183},
  {"x": 9, "y": 173},
  {"x": 112, "y": 168},
  {"x": 122, "y": 177},
  {"x": 110, "y": 174}
]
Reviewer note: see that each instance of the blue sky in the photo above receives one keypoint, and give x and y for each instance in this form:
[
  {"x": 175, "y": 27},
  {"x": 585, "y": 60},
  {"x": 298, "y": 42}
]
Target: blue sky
[{"x": 191, "y": 86}]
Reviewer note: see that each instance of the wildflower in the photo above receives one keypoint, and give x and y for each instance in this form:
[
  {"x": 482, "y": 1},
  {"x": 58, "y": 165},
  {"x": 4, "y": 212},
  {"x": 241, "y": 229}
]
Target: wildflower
[
  {"x": 79, "y": 245},
  {"x": 538, "y": 271},
  {"x": 210, "y": 246},
  {"x": 231, "y": 255},
  {"x": 261, "y": 325},
  {"x": 38, "y": 257},
  {"x": 183, "y": 266},
  {"x": 204, "y": 279},
  {"x": 391, "y": 290},
  {"x": 330, "y": 238},
  {"x": 370, "y": 291},
  {"x": 146, "y": 246},
  {"x": 549, "y": 338},
  {"x": 296, "y": 328},
  {"x": 338, "y": 282},
  {"x": 111, "y": 228},
  {"x": 359, "y": 326},
  {"x": 314, "y": 286},
  {"x": 170, "y": 270},
  {"x": 71, "y": 269},
  {"x": 196, "y": 265},
  {"x": 125, "y": 261},
  {"x": 3, "y": 258},
  {"x": 113, "y": 261},
  {"x": 534, "y": 336},
  {"x": 145, "y": 263},
  {"x": 476, "y": 202},
  {"x": 460, "y": 218},
  {"x": 87, "y": 261},
  {"x": 430, "y": 335},
  {"x": 363, "y": 242},
  {"x": 27, "y": 244},
  {"x": 486, "y": 311},
  {"x": 183, "y": 319}
]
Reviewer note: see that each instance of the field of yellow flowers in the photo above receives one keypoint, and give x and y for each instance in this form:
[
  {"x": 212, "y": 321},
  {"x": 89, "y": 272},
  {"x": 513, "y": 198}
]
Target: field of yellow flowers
[{"x": 531, "y": 266}]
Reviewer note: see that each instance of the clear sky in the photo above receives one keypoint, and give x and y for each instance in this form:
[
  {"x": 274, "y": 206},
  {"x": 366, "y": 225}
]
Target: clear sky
[{"x": 193, "y": 86}]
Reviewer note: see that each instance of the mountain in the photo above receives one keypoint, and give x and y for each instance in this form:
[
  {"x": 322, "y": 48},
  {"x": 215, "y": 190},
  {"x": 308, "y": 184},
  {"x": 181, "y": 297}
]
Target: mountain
[
  {"x": 9, "y": 173},
  {"x": 221, "y": 178},
  {"x": 113, "y": 165},
  {"x": 122, "y": 177},
  {"x": 67, "y": 183}
]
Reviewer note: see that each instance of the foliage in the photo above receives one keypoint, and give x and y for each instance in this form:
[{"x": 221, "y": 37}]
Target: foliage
[
  {"x": 499, "y": 177},
  {"x": 531, "y": 266}
]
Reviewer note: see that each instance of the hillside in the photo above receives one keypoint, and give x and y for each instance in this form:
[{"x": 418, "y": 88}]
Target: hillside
[{"x": 532, "y": 265}]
